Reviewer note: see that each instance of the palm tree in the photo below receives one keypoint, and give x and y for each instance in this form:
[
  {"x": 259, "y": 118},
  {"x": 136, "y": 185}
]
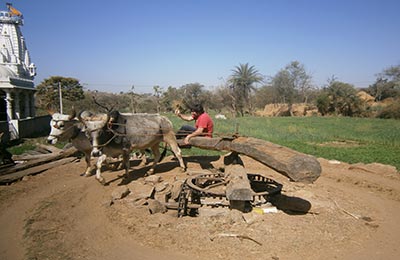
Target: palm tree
[{"x": 242, "y": 83}]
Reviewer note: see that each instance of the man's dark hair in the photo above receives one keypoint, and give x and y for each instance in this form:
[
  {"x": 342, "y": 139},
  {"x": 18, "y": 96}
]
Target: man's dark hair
[{"x": 198, "y": 108}]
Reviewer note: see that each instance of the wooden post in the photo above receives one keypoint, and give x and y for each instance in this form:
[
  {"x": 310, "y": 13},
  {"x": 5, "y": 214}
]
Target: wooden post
[{"x": 238, "y": 190}]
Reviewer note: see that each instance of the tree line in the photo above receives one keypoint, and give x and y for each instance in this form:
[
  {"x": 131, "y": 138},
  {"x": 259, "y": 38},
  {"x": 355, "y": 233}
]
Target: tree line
[{"x": 245, "y": 91}]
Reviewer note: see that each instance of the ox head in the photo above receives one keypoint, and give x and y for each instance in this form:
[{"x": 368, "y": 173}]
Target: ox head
[
  {"x": 60, "y": 125},
  {"x": 95, "y": 125}
]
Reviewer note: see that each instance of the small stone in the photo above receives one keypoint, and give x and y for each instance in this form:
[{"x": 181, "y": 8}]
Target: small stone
[
  {"x": 153, "y": 179},
  {"x": 120, "y": 193},
  {"x": 160, "y": 186},
  {"x": 155, "y": 206}
]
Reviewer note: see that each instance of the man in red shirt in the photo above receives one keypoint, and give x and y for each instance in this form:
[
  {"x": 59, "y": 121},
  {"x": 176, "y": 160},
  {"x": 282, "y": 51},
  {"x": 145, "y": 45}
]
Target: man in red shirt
[{"x": 203, "y": 126}]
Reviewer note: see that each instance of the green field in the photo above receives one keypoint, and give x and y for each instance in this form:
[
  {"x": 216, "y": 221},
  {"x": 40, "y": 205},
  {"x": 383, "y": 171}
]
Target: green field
[{"x": 345, "y": 139}]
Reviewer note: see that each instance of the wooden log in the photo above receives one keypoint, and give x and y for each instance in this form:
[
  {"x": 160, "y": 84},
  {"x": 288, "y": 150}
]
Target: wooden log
[
  {"x": 4, "y": 179},
  {"x": 29, "y": 157},
  {"x": 41, "y": 151},
  {"x": 50, "y": 158},
  {"x": 238, "y": 185},
  {"x": 238, "y": 190},
  {"x": 296, "y": 166},
  {"x": 50, "y": 148}
]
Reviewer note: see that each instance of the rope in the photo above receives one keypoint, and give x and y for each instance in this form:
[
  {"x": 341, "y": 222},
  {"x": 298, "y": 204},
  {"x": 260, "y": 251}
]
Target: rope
[
  {"x": 65, "y": 130},
  {"x": 106, "y": 143}
]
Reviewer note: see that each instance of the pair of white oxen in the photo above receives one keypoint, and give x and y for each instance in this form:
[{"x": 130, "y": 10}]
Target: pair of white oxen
[{"x": 114, "y": 134}]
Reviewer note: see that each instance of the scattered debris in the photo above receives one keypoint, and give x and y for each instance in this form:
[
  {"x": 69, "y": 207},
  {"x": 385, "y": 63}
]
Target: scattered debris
[
  {"x": 267, "y": 208},
  {"x": 235, "y": 235},
  {"x": 334, "y": 162},
  {"x": 356, "y": 216}
]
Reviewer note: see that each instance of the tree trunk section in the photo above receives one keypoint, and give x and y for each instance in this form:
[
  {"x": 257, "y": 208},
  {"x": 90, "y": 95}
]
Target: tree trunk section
[
  {"x": 296, "y": 166},
  {"x": 49, "y": 158},
  {"x": 238, "y": 189},
  {"x": 8, "y": 178}
]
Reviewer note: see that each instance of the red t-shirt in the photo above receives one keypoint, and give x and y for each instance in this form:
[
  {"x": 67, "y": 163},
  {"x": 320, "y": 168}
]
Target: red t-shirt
[{"x": 204, "y": 121}]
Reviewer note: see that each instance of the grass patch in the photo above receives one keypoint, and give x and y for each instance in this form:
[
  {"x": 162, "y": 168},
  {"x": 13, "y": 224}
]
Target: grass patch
[{"x": 27, "y": 144}]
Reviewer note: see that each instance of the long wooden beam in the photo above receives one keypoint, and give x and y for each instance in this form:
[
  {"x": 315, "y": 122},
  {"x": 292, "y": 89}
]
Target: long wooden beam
[
  {"x": 296, "y": 166},
  {"x": 33, "y": 163}
]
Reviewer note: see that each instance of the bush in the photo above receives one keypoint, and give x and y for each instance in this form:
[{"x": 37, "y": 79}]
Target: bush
[{"x": 391, "y": 111}]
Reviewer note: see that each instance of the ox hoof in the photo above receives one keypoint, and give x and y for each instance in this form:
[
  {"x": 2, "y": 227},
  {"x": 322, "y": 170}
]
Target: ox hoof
[
  {"x": 86, "y": 174},
  {"x": 102, "y": 181},
  {"x": 124, "y": 176},
  {"x": 149, "y": 172}
]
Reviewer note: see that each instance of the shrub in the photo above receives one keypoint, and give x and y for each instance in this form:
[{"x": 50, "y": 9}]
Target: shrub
[{"x": 391, "y": 111}]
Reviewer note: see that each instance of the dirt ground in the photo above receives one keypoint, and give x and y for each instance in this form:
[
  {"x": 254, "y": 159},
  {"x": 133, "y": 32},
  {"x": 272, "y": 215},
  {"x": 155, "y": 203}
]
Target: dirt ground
[{"x": 60, "y": 215}]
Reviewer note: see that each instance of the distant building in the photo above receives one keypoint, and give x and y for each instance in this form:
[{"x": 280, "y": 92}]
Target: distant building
[{"x": 16, "y": 73}]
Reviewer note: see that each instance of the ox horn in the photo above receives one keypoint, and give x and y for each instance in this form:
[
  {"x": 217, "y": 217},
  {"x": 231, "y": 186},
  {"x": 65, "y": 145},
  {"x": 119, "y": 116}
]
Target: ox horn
[
  {"x": 84, "y": 115},
  {"x": 71, "y": 116},
  {"x": 50, "y": 110},
  {"x": 80, "y": 117}
]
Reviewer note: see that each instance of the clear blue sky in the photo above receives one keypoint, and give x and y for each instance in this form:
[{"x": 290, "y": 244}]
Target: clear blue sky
[{"x": 112, "y": 45}]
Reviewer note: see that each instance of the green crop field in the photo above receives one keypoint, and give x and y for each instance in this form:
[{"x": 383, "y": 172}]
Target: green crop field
[{"x": 350, "y": 140}]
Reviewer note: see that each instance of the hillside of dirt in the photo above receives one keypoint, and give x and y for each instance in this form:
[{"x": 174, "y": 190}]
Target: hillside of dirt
[{"x": 58, "y": 214}]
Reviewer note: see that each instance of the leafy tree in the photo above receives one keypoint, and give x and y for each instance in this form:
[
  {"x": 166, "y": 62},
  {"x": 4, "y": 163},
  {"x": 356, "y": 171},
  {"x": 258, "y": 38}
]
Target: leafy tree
[
  {"x": 124, "y": 102},
  {"x": 284, "y": 86},
  {"x": 194, "y": 93},
  {"x": 215, "y": 100},
  {"x": 323, "y": 103},
  {"x": 292, "y": 82},
  {"x": 47, "y": 94},
  {"x": 387, "y": 84},
  {"x": 264, "y": 95},
  {"x": 392, "y": 74},
  {"x": 221, "y": 98},
  {"x": 171, "y": 98},
  {"x": 340, "y": 99},
  {"x": 134, "y": 104},
  {"x": 157, "y": 94},
  {"x": 242, "y": 82},
  {"x": 391, "y": 111},
  {"x": 147, "y": 103},
  {"x": 105, "y": 101},
  {"x": 301, "y": 80}
]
